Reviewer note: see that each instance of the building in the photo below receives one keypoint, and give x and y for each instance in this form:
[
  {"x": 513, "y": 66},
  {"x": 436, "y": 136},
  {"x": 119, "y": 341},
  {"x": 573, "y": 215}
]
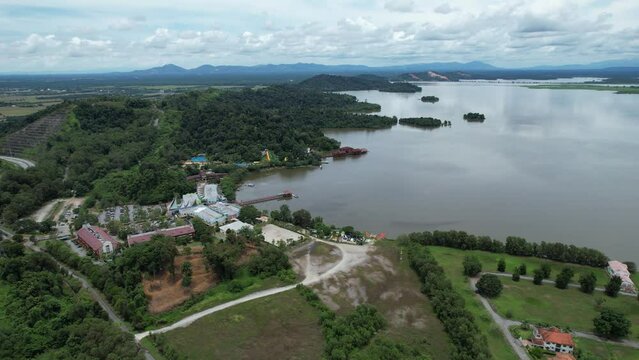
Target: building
[
  {"x": 210, "y": 193},
  {"x": 235, "y": 226},
  {"x": 553, "y": 339},
  {"x": 96, "y": 239},
  {"x": 231, "y": 211},
  {"x": 617, "y": 268},
  {"x": 188, "y": 200},
  {"x": 174, "y": 232},
  {"x": 205, "y": 214}
]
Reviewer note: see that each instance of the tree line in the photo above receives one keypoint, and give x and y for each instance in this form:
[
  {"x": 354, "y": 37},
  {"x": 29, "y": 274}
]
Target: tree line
[{"x": 513, "y": 246}]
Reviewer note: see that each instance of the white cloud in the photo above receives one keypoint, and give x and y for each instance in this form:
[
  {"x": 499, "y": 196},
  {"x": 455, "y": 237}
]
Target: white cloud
[
  {"x": 445, "y": 9},
  {"x": 36, "y": 42}
]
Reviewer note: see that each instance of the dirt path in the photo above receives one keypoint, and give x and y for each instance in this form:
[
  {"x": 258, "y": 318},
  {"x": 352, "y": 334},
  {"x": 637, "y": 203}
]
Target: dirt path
[{"x": 352, "y": 255}]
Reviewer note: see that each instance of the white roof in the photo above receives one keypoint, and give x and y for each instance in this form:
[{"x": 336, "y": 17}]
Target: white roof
[
  {"x": 210, "y": 192},
  {"x": 235, "y": 226}
]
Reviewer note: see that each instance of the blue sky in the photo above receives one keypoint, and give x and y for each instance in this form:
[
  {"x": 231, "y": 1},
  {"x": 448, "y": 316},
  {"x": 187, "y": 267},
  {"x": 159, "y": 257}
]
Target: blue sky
[{"x": 85, "y": 36}]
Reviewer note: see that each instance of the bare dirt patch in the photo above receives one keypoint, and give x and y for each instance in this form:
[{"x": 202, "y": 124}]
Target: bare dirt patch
[{"x": 166, "y": 292}]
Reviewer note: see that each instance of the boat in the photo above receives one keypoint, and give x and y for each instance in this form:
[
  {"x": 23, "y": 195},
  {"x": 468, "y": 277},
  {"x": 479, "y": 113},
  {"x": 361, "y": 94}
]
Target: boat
[{"x": 250, "y": 185}]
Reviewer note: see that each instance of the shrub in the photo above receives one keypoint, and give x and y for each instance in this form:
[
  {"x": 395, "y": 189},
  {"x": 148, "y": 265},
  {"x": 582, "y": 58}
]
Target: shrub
[
  {"x": 545, "y": 268},
  {"x": 472, "y": 266},
  {"x": 587, "y": 282},
  {"x": 613, "y": 286},
  {"x": 611, "y": 324},
  {"x": 489, "y": 285},
  {"x": 564, "y": 277},
  {"x": 522, "y": 269},
  {"x": 538, "y": 277},
  {"x": 501, "y": 265},
  {"x": 516, "y": 276}
]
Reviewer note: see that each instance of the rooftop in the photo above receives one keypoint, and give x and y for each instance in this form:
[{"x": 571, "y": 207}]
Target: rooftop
[
  {"x": 235, "y": 226},
  {"x": 556, "y": 336},
  {"x": 172, "y": 232},
  {"x": 95, "y": 237}
]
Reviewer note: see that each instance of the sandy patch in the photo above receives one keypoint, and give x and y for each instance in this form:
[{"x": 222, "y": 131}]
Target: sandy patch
[{"x": 274, "y": 234}]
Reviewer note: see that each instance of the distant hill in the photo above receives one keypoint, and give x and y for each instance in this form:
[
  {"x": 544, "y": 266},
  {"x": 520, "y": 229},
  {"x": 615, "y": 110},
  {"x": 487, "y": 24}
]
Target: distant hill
[
  {"x": 433, "y": 76},
  {"x": 360, "y": 82}
]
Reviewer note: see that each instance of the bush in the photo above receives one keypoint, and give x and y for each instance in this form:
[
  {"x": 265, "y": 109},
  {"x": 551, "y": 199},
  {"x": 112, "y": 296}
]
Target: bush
[
  {"x": 516, "y": 276},
  {"x": 587, "y": 283},
  {"x": 564, "y": 277},
  {"x": 522, "y": 269},
  {"x": 472, "y": 266},
  {"x": 538, "y": 277},
  {"x": 489, "y": 285},
  {"x": 501, "y": 265},
  {"x": 611, "y": 324},
  {"x": 614, "y": 286},
  {"x": 545, "y": 268}
]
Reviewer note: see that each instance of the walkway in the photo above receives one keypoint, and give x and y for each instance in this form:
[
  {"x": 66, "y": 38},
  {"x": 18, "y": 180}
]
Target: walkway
[
  {"x": 351, "y": 255},
  {"x": 23, "y": 163}
]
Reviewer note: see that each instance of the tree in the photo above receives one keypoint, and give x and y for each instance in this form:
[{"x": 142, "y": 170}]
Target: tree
[
  {"x": 632, "y": 267},
  {"x": 472, "y": 266},
  {"x": 501, "y": 265},
  {"x": 587, "y": 282},
  {"x": 546, "y": 269},
  {"x": 538, "y": 276},
  {"x": 564, "y": 277},
  {"x": 186, "y": 251},
  {"x": 611, "y": 324},
  {"x": 202, "y": 230},
  {"x": 302, "y": 218},
  {"x": 285, "y": 214},
  {"x": 516, "y": 275},
  {"x": 489, "y": 285},
  {"x": 613, "y": 286},
  {"x": 522, "y": 269},
  {"x": 249, "y": 214},
  {"x": 187, "y": 272}
]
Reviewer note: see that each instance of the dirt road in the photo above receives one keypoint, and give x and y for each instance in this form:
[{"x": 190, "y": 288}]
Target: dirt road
[{"x": 23, "y": 163}]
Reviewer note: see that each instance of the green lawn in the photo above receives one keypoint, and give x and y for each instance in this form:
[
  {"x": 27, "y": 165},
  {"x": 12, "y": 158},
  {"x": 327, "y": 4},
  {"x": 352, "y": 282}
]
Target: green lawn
[
  {"x": 282, "y": 326},
  {"x": 451, "y": 261},
  {"x": 489, "y": 263},
  {"x": 607, "y": 351},
  {"x": 566, "y": 308}
]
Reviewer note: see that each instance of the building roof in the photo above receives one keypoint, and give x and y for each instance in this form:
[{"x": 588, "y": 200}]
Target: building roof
[
  {"x": 94, "y": 237},
  {"x": 556, "y": 336},
  {"x": 618, "y": 266},
  {"x": 235, "y": 226},
  {"x": 210, "y": 192},
  {"x": 172, "y": 232}
]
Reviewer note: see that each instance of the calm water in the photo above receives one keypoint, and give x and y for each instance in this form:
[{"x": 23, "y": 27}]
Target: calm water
[{"x": 548, "y": 165}]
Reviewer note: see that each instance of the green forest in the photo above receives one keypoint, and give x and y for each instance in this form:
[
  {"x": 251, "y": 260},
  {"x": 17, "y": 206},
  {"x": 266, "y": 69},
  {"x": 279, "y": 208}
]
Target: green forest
[
  {"x": 424, "y": 122},
  {"x": 360, "y": 82}
]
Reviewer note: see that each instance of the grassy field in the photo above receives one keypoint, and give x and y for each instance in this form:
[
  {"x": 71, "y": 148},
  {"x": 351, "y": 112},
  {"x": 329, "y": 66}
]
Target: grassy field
[
  {"x": 566, "y": 308},
  {"x": 150, "y": 347},
  {"x": 489, "y": 263},
  {"x": 617, "y": 89},
  {"x": 451, "y": 261},
  {"x": 282, "y": 326},
  {"x": 387, "y": 282},
  {"x": 607, "y": 351}
]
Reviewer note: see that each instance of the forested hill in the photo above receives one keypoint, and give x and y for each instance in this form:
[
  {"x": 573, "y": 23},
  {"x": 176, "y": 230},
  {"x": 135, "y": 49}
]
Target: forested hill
[
  {"x": 359, "y": 82},
  {"x": 123, "y": 150}
]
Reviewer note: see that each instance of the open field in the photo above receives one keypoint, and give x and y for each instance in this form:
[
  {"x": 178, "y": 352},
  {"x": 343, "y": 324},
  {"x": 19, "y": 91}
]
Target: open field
[
  {"x": 568, "y": 308},
  {"x": 282, "y": 326},
  {"x": 274, "y": 234},
  {"x": 606, "y": 351},
  {"x": 617, "y": 89},
  {"x": 387, "y": 282},
  {"x": 165, "y": 292},
  {"x": 489, "y": 263},
  {"x": 451, "y": 261}
]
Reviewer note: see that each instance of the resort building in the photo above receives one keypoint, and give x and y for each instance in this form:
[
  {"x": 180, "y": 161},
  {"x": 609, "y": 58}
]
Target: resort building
[
  {"x": 174, "y": 232},
  {"x": 231, "y": 211},
  {"x": 617, "y": 268},
  {"x": 96, "y": 239},
  {"x": 205, "y": 214},
  {"x": 188, "y": 200},
  {"x": 235, "y": 226},
  {"x": 210, "y": 193},
  {"x": 553, "y": 339}
]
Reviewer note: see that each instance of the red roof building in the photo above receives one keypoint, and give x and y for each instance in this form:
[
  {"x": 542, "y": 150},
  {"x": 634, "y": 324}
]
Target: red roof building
[
  {"x": 175, "y": 232},
  {"x": 96, "y": 239},
  {"x": 553, "y": 339}
]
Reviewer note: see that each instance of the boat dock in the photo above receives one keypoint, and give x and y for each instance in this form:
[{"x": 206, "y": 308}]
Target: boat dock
[{"x": 281, "y": 196}]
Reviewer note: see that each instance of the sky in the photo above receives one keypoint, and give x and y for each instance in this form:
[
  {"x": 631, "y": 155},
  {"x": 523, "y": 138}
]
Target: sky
[{"x": 96, "y": 36}]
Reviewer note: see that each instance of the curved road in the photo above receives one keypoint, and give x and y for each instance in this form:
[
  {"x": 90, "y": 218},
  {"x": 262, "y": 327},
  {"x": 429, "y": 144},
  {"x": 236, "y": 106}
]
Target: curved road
[
  {"x": 23, "y": 163},
  {"x": 351, "y": 256}
]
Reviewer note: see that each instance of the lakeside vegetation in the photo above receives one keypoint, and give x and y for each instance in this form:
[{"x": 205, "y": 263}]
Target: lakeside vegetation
[
  {"x": 617, "y": 89},
  {"x": 424, "y": 122},
  {"x": 474, "y": 117},
  {"x": 430, "y": 99},
  {"x": 360, "y": 82}
]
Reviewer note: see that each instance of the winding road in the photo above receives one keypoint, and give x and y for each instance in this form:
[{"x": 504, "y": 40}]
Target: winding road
[
  {"x": 23, "y": 163},
  {"x": 351, "y": 255}
]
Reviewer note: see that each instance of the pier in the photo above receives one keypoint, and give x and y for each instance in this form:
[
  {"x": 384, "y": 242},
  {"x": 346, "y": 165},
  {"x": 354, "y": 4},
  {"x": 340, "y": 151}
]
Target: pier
[{"x": 281, "y": 196}]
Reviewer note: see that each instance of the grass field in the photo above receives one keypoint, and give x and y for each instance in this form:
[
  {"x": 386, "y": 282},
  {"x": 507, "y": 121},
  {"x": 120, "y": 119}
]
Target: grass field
[
  {"x": 282, "y": 326},
  {"x": 617, "y": 89},
  {"x": 451, "y": 261},
  {"x": 566, "y": 308},
  {"x": 392, "y": 287},
  {"x": 607, "y": 351},
  {"x": 489, "y": 263}
]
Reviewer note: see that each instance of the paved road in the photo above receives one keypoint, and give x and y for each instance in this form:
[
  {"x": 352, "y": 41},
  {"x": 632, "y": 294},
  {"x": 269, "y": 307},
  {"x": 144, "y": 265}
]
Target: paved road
[
  {"x": 546, "y": 281},
  {"x": 23, "y": 163},
  {"x": 503, "y": 324},
  {"x": 351, "y": 256},
  {"x": 506, "y": 323}
]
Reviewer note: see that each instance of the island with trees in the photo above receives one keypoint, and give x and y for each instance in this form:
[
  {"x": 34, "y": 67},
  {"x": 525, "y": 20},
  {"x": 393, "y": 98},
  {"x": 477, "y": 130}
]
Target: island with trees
[
  {"x": 430, "y": 99},
  {"x": 424, "y": 122},
  {"x": 360, "y": 82},
  {"x": 474, "y": 117}
]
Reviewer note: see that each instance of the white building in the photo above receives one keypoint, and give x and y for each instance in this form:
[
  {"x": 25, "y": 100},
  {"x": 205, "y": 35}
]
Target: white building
[
  {"x": 617, "y": 268},
  {"x": 205, "y": 214},
  {"x": 553, "y": 339},
  {"x": 210, "y": 193},
  {"x": 235, "y": 226}
]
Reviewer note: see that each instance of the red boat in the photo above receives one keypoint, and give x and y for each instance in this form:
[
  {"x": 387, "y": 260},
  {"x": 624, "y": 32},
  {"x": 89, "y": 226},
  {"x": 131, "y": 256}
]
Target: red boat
[{"x": 348, "y": 151}]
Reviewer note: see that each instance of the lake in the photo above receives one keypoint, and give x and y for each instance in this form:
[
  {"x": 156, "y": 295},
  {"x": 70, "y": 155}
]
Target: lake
[{"x": 547, "y": 165}]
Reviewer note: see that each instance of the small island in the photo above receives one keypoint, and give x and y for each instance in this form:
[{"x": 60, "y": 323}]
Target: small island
[
  {"x": 430, "y": 99},
  {"x": 424, "y": 122},
  {"x": 474, "y": 117}
]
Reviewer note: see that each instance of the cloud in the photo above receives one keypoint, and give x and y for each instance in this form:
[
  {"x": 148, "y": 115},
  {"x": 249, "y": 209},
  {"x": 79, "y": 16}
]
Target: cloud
[
  {"x": 128, "y": 23},
  {"x": 78, "y": 47},
  {"x": 36, "y": 42},
  {"x": 400, "y": 5},
  {"x": 444, "y": 9}
]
